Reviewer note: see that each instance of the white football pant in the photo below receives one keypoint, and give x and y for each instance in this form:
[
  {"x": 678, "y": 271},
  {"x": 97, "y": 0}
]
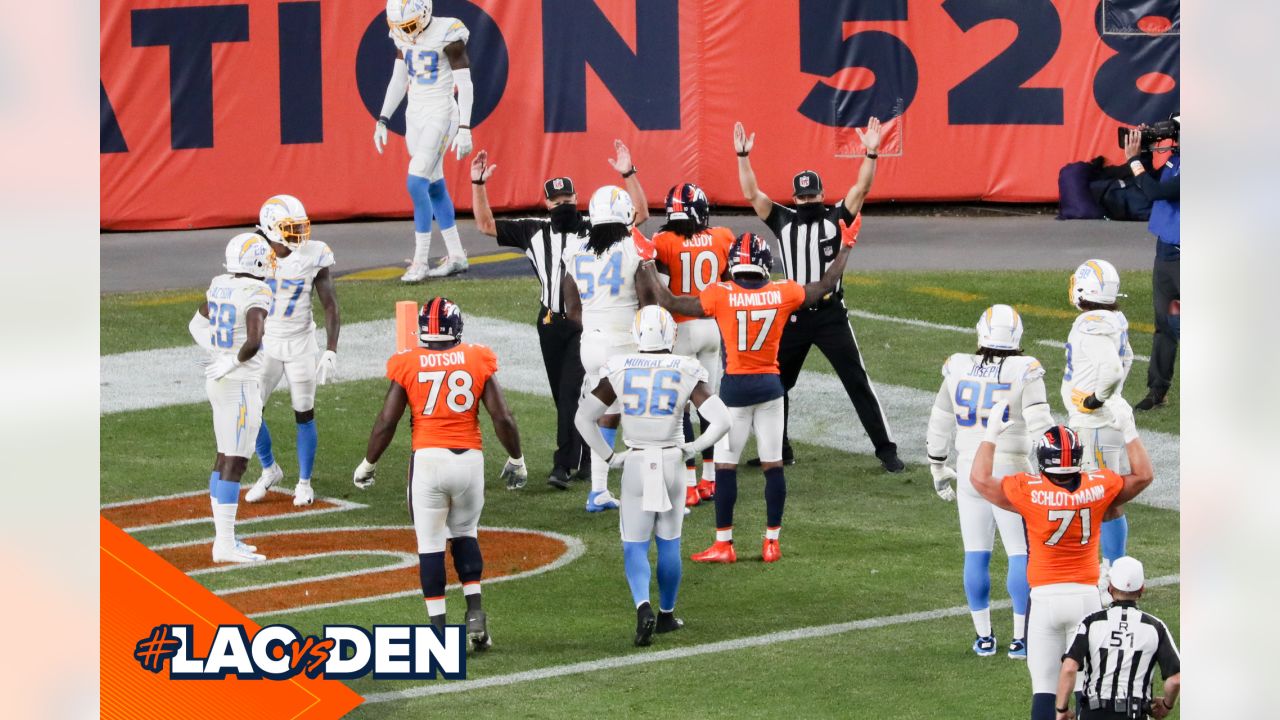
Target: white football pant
[
  {"x": 634, "y": 522},
  {"x": 237, "y": 414},
  {"x": 295, "y": 359},
  {"x": 428, "y": 134},
  {"x": 979, "y": 518},
  {"x": 446, "y": 495},
  {"x": 766, "y": 419},
  {"x": 1056, "y": 611}
]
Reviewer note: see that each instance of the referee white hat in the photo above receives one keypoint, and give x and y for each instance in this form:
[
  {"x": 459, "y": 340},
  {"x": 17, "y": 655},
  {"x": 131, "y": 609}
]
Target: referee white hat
[{"x": 1126, "y": 574}]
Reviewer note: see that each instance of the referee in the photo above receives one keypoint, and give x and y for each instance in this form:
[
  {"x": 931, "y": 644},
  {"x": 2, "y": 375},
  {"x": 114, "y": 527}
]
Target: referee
[
  {"x": 546, "y": 242},
  {"x": 809, "y": 238},
  {"x": 1119, "y": 648}
]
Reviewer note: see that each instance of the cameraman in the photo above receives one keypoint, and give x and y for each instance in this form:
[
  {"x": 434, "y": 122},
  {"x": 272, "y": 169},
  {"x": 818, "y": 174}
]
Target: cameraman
[{"x": 1161, "y": 187}]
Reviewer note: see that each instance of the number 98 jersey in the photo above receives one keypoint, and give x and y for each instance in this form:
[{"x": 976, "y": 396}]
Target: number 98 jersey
[
  {"x": 974, "y": 387},
  {"x": 653, "y": 390},
  {"x": 444, "y": 389}
]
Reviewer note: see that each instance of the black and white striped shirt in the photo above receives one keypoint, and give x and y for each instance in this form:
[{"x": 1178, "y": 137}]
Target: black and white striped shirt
[
  {"x": 546, "y": 250},
  {"x": 1119, "y": 648},
  {"x": 808, "y": 248}
]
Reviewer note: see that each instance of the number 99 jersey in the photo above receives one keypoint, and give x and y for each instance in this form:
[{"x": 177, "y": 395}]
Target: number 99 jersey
[
  {"x": 444, "y": 389},
  {"x": 974, "y": 387},
  {"x": 653, "y": 390}
]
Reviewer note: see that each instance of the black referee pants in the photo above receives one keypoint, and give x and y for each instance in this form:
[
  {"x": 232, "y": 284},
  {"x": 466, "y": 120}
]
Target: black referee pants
[
  {"x": 1165, "y": 289},
  {"x": 827, "y": 327},
  {"x": 560, "y": 338}
]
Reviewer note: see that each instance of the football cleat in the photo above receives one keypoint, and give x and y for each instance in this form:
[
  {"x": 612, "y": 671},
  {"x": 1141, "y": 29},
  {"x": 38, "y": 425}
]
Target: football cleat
[
  {"x": 245, "y": 547},
  {"x": 601, "y": 500},
  {"x": 668, "y": 622},
  {"x": 771, "y": 552},
  {"x": 559, "y": 478},
  {"x": 892, "y": 463},
  {"x": 646, "y": 623},
  {"x": 270, "y": 476},
  {"x": 707, "y": 489},
  {"x": 417, "y": 272},
  {"x": 303, "y": 494},
  {"x": 232, "y": 553},
  {"x": 449, "y": 265},
  {"x": 691, "y": 496},
  {"x": 1018, "y": 649},
  {"x": 984, "y": 646},
  {"x": 721, "y": 551},
  {"x": 478, "y": 639}
]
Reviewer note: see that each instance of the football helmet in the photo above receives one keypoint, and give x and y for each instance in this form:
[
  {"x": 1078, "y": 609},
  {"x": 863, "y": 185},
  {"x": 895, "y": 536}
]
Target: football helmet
[
  {"x": 440, "y": 321},
  {"x": 282, "y": 219},
  {"x": 408, "y": 18},
  {"x": 249, "y": 253},
  {"x": 1094, "y": 281},
  {"x": 1058, "y": 451},
  {"x": 1000, "y": 328},
  {"x": 688, "y": 202},
  {"x": 611, "y": 204},
  {"x": 751, "y": 254},
  {"x": 654, "y": 329}
]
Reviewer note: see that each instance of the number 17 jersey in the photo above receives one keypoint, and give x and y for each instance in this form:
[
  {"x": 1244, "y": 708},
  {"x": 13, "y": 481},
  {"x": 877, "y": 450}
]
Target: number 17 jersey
[
  {"x": 751, "y": 322},
  {"x": 444, "y": 389}
]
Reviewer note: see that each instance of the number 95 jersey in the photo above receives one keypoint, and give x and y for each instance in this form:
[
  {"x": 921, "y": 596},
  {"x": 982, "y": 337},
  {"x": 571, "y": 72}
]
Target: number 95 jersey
[
  {"x": 653, "y": 390},
  {"x": 975, "y": 386},
  {"x": 444, "y": 389},
  {"x": 430, "y": 75},
  {"x": 290, "y": 313}
]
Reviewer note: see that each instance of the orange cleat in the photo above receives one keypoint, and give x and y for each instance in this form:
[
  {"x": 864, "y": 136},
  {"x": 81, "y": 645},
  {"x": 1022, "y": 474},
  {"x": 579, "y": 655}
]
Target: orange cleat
[
  {"x": 707, "y": 489},
  {"x": 721, "y": 551},
  {"x": 771, "y": 552},
  {"x": 691, "y": 497}
]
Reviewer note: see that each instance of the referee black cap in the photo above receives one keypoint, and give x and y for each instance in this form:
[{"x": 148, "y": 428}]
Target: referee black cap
[
  {"x": 558, "y": 186},
  {"x": 806, "y": 182}
]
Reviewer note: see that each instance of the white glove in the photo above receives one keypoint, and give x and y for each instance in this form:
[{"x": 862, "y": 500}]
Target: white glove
[
  {"x": 220, "y": 365},
  {"x": 363, "y": 477},
  {"x": 462, "y": 143},
  {"x": 327, "y": 368},
  {"x": 515, "y": 473},
  {"x": 1122, "y": 419},
  {"x": 942, "y": 479},
  {"x": 618, "y": 459},
  {"x": 379, "y": 136},
  {"x": 688, "y": 451},
  {"x": 996, "y": 422}
]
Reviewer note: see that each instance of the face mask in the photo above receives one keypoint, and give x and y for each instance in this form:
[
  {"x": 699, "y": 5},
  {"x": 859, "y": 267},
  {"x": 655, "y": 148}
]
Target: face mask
[
  {"x": 810, "y": 212},
  {"x": 565, "y": 218}
]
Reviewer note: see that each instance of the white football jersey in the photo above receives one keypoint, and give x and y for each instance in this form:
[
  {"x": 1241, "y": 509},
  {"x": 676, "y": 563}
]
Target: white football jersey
[
  {"x": 653, "y": 390},
  {"x": 294, "y": 276},
  {"x": 230, "y": 298},
  {"x": 430, "y": 75},
  {"x": 1097, "y": 346},
  {"x": 974, "y": 387},
  {"x": 607, "y": 285}
]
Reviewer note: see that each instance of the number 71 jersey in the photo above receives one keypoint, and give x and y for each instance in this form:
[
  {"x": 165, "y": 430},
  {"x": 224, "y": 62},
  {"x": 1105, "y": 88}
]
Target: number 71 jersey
[
  {"x": 1062, "y": 526},
  {"x": 975, "y": 386},
  {"x": 444, "y": 389}
]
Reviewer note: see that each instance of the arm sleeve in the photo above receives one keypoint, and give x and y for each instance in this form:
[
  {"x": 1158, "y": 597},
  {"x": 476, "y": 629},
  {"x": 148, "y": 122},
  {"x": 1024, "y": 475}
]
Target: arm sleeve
[
  {"x": 779, "y": 216},
  {"x": 591, "y": 409},
  {"x": 1110, "y": 369},
  {"x": 714, "y": 411},
  {"x": 396, "y": 89},
  {"x": 1036, "y": 411},
  {"x": 199, "y": 329},
  {"x": 466, "y": 94},
  {"x": 840, "y": 212},
  {"x": 1079, "y": 649},
  {"x": 518, "y": 233},
  {"x": 940, "y": 423}
]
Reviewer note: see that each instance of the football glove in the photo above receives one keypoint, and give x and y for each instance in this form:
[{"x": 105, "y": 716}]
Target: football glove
[
  {"x": 942, "y": 479},
  {"x": 363, "y": 477},
  {"x": 379, "y": 136},
  {"x": 688, "y": 452},
  {"x": 220, "y": 365},
  {"x": 515, "y": 473},
  {"x": 997, "y": 422},
  {"x": 617, "y": 460},
  {"x": 1122, "y": 420},
  {"x": 1085, "y": 402},
  {"x": 327, "y": 368},
  {"x": 849, "y": 233},
  {"x": 462, "y": 143}
]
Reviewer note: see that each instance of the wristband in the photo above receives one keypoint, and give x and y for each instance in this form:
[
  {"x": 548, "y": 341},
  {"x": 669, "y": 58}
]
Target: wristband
[
  {"x": 629, "y": 173},
  {"x": 518, "y": 462},
  {"x": 464, "y": 127},
  {"x": 1165, "y": 703},
  {"x": 1062, "y": 709},
  {"x": 743, "y": 153},
  {"x": 383, "y": 120},
  {"x": 477, "y": 182},
  {"x": 872, "y": 155}
]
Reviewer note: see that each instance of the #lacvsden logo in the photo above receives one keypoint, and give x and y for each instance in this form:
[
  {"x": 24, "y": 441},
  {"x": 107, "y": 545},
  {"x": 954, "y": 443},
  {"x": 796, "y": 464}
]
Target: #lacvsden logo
[{"x": 279, "y": 652}]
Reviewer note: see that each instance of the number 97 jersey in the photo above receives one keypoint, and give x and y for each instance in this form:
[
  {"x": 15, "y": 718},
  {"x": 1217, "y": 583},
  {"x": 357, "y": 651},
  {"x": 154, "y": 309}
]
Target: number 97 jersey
[
  {"x": 975, "y": 387},
  {"x": 444, "y": 389},
  {"x": 653, "y": 390}
]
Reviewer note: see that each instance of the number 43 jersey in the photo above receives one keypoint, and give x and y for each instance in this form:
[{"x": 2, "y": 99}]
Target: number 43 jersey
[
  {"x": 444, "y": 389},
  {"x": 974, "y": 387},
  {"x": 653, "y": 390},
  {"x": 290, "y": 314},
  {"x": 430, "y": 74}
]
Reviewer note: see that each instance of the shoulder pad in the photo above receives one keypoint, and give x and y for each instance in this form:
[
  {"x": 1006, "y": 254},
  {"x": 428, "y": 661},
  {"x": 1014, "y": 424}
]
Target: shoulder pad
[
  {"x": 1100, "y": 322},
  {"x": 456, "y": 31},
  {"x": 1034, "y": 371}
]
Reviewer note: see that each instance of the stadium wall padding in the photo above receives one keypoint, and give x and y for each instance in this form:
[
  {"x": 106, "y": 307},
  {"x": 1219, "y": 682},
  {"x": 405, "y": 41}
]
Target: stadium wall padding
[{"x": 208, "y": 109}]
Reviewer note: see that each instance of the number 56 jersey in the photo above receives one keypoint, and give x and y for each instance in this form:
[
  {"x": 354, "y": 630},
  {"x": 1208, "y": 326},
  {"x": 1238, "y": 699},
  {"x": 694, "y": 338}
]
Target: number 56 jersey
[
  {"x": 975, "y": 386},
  {"x": 444, "y": 389},
  {"x": 653, "y": 390}
]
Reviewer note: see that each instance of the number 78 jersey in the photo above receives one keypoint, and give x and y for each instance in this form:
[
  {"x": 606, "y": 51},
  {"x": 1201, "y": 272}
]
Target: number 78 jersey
[
  {"x": 974, "y": 387},
  {"x": 751, "y": 321},
  {"x": 1062, "y": 526},
  {"x": 444, "y": 389}
]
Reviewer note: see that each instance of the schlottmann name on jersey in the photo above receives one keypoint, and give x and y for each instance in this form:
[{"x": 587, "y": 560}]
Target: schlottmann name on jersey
[{"x": 1059, "y": 498}]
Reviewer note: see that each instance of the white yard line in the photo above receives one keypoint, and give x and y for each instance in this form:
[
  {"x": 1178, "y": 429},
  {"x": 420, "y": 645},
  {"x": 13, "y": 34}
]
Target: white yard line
[{"x": 645, "y": 657}]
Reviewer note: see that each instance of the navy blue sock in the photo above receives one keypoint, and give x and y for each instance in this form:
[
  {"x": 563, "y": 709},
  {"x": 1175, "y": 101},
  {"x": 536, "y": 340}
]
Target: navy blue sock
[
  {"x": 726, "y": 497},
  {"x": 775, "y": 496},
  {"x": 265, "y": 455},
  {"x": 308, "y": 438},
  {"x": 669, "y": 573},
  {"x": 431, "y": 574},
  {"x": 1042, "y": 707}
]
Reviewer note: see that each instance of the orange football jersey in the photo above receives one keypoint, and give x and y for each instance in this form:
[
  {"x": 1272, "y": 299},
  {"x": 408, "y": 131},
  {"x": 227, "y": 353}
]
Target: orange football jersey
[
  {"x": 1062, "y": 527},
  {"x": 444, "y": 388},
  {"x": 694, "y": 263},
  {"x": 751, "y": 322}
]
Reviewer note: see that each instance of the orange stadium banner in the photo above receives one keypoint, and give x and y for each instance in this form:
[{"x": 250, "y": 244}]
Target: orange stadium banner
[{"x": 208, "y": 107}]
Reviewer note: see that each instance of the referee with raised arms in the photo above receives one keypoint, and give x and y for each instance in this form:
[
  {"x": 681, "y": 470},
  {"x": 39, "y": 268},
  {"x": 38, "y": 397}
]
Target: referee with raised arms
[
  {"x": 546, "y": 242},
  {"x": 809, "y": 238}
]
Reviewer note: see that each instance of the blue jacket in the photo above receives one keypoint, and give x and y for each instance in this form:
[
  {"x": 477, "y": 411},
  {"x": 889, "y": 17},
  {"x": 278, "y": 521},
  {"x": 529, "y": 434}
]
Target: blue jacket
[{"x": 1164, "y": 191}]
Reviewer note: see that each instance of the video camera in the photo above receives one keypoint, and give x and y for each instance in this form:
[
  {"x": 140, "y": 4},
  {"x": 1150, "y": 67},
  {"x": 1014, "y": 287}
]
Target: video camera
[{"x": 1156, "y": 132}]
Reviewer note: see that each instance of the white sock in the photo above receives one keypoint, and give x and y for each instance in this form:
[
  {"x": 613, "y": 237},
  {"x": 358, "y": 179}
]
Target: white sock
[
  {"x": 599, "y": 472},
  {"x": 772, "y": 533},
  {"x": 451, "y": 242},
  {"x": 304, "y": 481},
  {"x": 1019, "y": 626},
  {"x": 224, "y": 521},
  {"x": 421, "y": 247},
  {"x": 724, "y": 535},
  {"x": 709, "y": 470},
  {"x": 435, "y": 606},
  {"x": 690, "y": 477},
  {"x": 471, "y": 588},
  {"x": 982, "y": 621}
]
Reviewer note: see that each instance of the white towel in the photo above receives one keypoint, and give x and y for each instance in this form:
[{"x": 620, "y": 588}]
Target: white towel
[{"x": 655, "y": 498}]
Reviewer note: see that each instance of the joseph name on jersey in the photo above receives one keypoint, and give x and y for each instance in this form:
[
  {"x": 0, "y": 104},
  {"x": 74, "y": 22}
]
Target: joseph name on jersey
[
  {"x": 607, "y": 286},
  {"x": 1095, "y": 335},
  {"x": 229, "y": 299},
  {"x": 444, "y": 389},
  {"x": 292, "y": 283},
  {"x": 974, "y": 387},
  {"x": 653, "y": 390},
  {"x": 430, "y": 75}
]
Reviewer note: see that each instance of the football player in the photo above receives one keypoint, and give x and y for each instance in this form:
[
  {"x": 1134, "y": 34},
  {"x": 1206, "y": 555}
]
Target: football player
[
  {"x": 290, "y": 349},
  {"x": 654, "y": 387},
  {"x": 229, "y": 325},
  {"x": 971, "y": 384},
  {"x": 694, "y": 256},
  {"x": 751, "y": 311},
  {"x": 431, "y": 60},
  {"x": 1098, "y": 361},
  {"x": 1062, "y": 507},
  {"x": 443, "y": 382},
  {"x": 601, "y": 294}
]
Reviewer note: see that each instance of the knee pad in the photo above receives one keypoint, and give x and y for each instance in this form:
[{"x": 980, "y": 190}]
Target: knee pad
[
  {"x": 467, "y": 560},
  {"x": 441, "y": 204}
]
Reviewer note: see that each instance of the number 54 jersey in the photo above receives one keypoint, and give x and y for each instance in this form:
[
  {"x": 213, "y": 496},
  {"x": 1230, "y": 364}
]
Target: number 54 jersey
[
  {"x": 653, "y": 390},
  {"x": 444, "y": 389},
  {"x": 975, "y": 386}
]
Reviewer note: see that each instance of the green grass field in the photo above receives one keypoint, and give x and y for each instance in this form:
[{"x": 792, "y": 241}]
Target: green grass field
[{"x": 857, "y": 544}]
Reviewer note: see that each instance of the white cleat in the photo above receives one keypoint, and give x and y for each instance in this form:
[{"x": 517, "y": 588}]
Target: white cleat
[
  {"x": 233, "y": 553},
  {"x": 270, "y": 476},
  {"x": 417, "y": 272},
  {"x": 303, "y": 494},
  {"x": 449, "y": 265},
  {"x": 243, "y": 546}
]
